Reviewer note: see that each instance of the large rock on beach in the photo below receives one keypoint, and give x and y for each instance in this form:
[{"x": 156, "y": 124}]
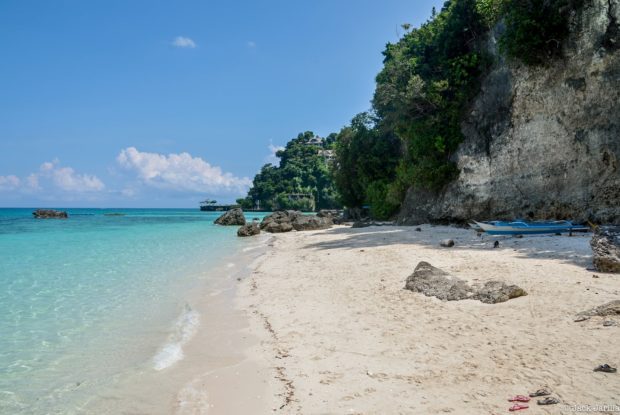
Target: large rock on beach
[
  {"x": 49, "y": 214},
  {"x": 275, "y": 227},
  {"x": 287, "y": 220},
  {"x": 233, "y": 217},
  {"x": 249, "y": 229},
  {"x": 311, "y": 223},
  {"x": 279, "y": 221},
  {"x": 606, "y": 249},
  {"x": 433, "y": 282}
]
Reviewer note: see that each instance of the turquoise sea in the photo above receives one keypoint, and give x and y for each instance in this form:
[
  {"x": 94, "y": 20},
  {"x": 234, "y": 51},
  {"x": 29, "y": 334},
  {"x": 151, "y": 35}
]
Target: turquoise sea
[{"x": 87, "y": 299}]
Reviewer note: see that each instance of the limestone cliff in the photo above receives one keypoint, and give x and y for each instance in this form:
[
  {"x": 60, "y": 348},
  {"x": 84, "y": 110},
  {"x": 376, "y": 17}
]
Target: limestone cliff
[{"x": 541, "y": 142}]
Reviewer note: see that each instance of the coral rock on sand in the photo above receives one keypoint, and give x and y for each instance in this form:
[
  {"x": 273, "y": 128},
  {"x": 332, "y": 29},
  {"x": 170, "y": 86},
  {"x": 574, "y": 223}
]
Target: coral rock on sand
[
  {"x": 250, "y": 229},
  {"x": 287, "y": 220},
  {"x": 606, "y": 248},
  {"x": 279, "y": 221},
  {"x": 433, "y": 282},
  {"x": 611, "y": 308},
  {"x": 231, "y": 218},
  {"x": 310, "y": 223},
  {"x": 447, "y": 243},
  {"x": 50, "y": 214},
  {"x": 498, "y": 292}
]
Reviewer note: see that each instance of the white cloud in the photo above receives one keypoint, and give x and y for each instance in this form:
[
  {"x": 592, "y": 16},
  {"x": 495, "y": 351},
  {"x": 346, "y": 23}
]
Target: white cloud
[
  {"x": 52, "y": 176},
  {"x": 180, "y": 172},
  {"x": 184, "y": 42},
  {"x": 32, "y": 182},
  {"x": 65, "y": 178},
  {"x": 10, "y": 182},
  {"x": 272, "y": 158}
]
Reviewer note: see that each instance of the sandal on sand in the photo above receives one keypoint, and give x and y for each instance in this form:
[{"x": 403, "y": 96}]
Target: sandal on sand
[
  {"x": 519, "y": 398},
  {"x": 605, "y": 368},
  {"x": 517, "y": 407},
  {"x": 540, "y": 392},
  {"x": 548, "y": 401}
]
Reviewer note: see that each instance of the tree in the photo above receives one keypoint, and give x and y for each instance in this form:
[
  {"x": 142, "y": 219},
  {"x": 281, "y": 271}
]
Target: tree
[{"x": 301, "y": 181}]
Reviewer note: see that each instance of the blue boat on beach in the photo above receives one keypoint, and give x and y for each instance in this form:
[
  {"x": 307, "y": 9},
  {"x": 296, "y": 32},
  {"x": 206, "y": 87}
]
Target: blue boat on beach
[{"x": 528, "y": 228}]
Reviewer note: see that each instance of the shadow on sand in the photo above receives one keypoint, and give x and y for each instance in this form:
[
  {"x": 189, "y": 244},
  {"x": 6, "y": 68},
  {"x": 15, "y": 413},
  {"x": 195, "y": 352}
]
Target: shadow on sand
[{"x": 568, "y": 249}]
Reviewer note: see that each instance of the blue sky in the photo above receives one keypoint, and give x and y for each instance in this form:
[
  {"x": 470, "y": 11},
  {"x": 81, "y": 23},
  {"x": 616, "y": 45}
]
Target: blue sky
[{"x": 161, "y": 104}]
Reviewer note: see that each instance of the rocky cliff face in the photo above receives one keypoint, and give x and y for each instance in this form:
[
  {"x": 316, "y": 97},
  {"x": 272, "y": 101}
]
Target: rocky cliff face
[{"x": 541, "y": 143}]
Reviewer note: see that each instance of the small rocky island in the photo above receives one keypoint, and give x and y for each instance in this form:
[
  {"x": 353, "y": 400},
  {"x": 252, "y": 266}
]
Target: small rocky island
[{"x": 50, "y": 214}]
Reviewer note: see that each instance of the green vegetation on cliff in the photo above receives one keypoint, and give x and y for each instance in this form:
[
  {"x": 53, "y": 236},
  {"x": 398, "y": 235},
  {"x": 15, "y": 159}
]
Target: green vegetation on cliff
[
  {"x": 409, "y": 138},
  {"x": 429, "y": 78}
]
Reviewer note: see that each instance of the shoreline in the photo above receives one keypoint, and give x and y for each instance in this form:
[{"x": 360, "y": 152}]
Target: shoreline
[
  {"x": 207, "y": 372},
  {"x": 341, "y": 335}
]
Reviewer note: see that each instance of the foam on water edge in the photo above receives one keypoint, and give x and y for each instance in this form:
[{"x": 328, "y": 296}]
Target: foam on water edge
[{"x": 184, "y": 329}]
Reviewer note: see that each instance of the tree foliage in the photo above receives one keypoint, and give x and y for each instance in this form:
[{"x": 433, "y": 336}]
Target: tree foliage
[
  {"x": 366, "y": 158},
  {"x": 301, "y": 181},
  {"x": 536, "y": 29}
]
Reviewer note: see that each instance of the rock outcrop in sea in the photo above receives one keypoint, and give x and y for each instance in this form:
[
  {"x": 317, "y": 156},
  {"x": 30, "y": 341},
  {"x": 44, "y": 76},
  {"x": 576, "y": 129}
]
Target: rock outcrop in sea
[
  {"x": 50, "y": 214},
  {"x": 540, "y": 142},
  {"x": 233, "y": 217},
  {"x": 606, "y": 249},
  {"x": 434, "y": 282}
]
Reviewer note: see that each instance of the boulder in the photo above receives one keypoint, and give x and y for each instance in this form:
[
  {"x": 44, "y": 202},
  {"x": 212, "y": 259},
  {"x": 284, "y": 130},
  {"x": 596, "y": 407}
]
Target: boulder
[
  {"x": 611, "y": 308},
  {"x": 287, "y": 220},
  {"x": 311, "y": 223},
  {"x": 232, "y": 217},
  {"x": 433, "y": 282},
  {"x": 279, "y": 217},
  {"x": 493, "y": 292},
  {"x": 274, "y": 227},
  {"x": 249, "y": 229},
  {"x": 447, "y": 243},
  {"x": 606, "y": 249},
  {"x": 49, "y": 214}
]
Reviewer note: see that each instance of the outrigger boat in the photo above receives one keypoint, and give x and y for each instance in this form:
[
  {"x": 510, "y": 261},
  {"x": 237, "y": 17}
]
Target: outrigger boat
[{"x": 528, "y": 228}]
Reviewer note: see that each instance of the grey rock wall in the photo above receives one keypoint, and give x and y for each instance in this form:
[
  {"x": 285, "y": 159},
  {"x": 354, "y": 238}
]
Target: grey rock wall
[{"x": 542, "y": 142}]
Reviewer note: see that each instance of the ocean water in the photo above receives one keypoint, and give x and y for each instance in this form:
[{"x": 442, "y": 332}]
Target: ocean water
[{"x": 85, "y": 301}]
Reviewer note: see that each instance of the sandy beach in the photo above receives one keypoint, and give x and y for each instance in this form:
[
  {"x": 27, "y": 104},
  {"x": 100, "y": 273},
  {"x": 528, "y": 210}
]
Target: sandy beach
[{"x": 340, "y": 334}]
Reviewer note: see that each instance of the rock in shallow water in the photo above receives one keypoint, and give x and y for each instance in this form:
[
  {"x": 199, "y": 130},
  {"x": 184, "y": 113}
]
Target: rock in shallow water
[
  {"x": 250, "y": 229},
  {"x": 231, "y": 218},
  {"x": 49, "y": 214},
  {"x": 433, "y": 282},
  {"x": 606, "y": 249}
]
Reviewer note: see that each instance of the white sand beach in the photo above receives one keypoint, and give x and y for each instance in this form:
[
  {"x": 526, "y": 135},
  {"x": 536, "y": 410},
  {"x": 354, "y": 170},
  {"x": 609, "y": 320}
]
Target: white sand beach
[{"x": 340, "y": 333}]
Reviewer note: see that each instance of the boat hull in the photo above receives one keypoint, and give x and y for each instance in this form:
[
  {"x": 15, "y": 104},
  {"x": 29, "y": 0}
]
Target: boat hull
[{"x": 507, "y": 229}]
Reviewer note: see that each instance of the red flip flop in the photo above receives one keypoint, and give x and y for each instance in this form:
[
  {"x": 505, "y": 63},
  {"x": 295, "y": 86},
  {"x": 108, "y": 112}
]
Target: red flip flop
[
  {"x": 519, "y": 398},
  {"x": 517, "y": 407}
]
